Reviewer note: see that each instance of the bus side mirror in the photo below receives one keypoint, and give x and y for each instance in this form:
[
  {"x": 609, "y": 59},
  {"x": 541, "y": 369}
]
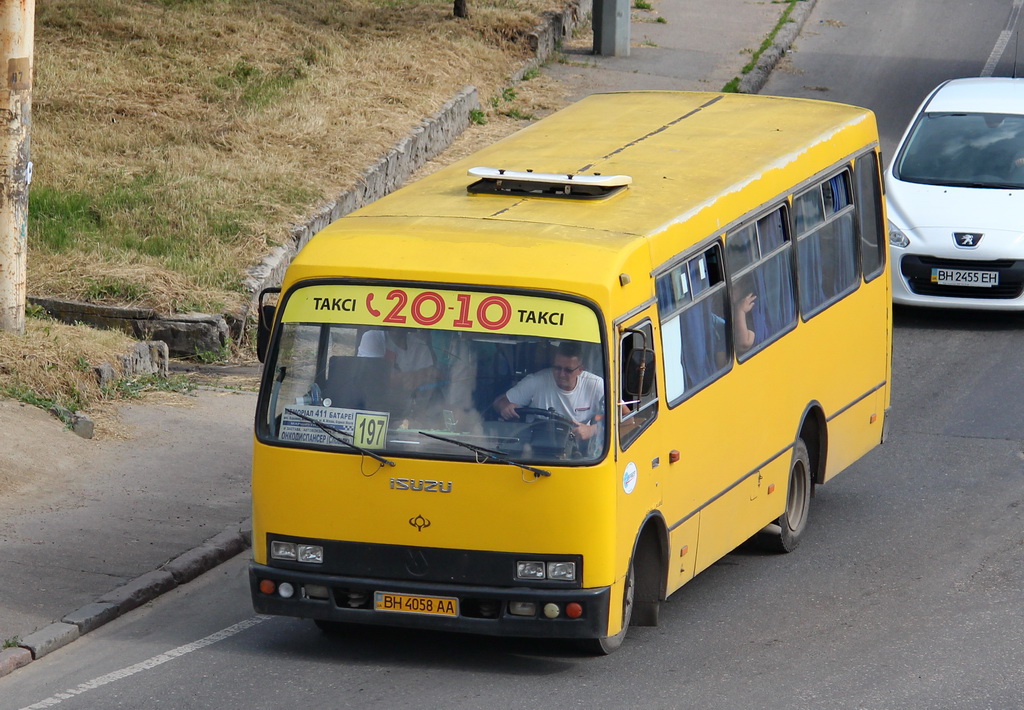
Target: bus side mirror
[
  {"x": 264, "y": 322},
  {"x": 638, "y": 373}
]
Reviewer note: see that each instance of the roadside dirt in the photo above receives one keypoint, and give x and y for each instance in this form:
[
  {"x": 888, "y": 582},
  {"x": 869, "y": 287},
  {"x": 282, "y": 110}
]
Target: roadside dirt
[{"x": 42, "y": 459}]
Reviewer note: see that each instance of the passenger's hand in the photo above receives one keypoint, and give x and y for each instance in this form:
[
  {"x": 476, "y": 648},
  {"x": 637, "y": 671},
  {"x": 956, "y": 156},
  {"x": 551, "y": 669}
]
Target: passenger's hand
[{"x": 746, "y": 303}]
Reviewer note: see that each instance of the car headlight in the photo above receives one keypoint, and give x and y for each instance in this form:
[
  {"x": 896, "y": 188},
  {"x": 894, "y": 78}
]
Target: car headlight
[{"x": 896, "y": 237}]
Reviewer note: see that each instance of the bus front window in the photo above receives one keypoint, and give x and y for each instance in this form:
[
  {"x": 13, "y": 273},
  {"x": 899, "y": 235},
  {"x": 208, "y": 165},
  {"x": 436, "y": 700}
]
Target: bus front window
[{"x": 428, "y": 392}]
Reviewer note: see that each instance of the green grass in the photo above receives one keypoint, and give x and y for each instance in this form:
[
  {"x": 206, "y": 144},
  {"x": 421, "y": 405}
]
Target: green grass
[{"x": 733, "y": 85}]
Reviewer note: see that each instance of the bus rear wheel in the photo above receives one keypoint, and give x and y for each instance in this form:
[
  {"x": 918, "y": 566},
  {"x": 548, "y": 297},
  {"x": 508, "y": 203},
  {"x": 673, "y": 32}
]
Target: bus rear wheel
[
  {"x": 785, "y": 533},
  {"x": 609, "y": 644}
]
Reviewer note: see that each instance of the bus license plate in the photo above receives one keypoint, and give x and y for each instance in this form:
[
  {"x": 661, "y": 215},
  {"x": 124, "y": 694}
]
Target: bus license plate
[
  {"x": 960, "y": 277},
  {"x": 414, "y": 604}
]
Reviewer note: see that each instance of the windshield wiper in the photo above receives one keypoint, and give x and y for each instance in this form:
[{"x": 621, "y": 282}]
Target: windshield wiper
[
  {"x": 489, "y": 454},
  {"x": 334, "y": 431}
]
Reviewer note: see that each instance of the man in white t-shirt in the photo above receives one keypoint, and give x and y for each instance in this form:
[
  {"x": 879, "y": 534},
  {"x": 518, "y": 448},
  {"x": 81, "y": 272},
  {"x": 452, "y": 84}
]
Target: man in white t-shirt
[{"x": 565, "y": 387}]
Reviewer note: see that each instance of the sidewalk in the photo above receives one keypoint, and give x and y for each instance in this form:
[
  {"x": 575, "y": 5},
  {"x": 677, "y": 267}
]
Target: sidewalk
[
  {"x": 113, "y": 524},
  {"x": 702, "y": 45}
]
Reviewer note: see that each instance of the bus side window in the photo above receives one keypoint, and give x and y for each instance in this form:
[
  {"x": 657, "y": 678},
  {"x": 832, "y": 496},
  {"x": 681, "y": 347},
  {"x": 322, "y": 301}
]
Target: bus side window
[
  {"x": 694, "y": 329},
  {"x": 762, "y": 294},
  {"x": 636, "y": 409},
  {"x": 873, "y": 242},
  {"x": 827, "y": 247}
]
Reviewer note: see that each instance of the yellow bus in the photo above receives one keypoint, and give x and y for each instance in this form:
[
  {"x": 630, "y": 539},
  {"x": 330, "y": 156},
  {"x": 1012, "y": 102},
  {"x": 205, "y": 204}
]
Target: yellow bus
[{"x": 536, "y": 392}]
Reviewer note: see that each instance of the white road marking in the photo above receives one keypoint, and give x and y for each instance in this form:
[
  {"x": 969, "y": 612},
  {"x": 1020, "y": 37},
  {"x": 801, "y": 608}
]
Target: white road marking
[
  {"x": 148, "y": 663},
  {"x": 1004, "y": 39}
]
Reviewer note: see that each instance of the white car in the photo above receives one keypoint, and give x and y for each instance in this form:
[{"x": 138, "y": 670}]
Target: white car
[{"x": 955, "y": 197}]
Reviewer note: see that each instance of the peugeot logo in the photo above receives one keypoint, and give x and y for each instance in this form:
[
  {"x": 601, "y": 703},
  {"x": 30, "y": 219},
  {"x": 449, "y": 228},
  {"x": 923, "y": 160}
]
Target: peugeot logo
[{"x": 967, "y": 240}]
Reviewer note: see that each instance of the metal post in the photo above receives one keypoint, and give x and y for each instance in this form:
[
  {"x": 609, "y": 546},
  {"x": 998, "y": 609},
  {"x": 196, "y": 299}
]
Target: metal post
[
  {"x": 611, "y": 20},
  {"x": 17, "y": 27}
]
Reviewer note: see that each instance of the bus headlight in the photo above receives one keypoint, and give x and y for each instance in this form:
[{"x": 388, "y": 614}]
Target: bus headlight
[
  {"x": 558, "y": 570},
  {"x": 530, "y": 570},
  {"x": 562, "y": 571},
  {"x": 283, "y": 550},
  {"x": 311, "y": 553}
]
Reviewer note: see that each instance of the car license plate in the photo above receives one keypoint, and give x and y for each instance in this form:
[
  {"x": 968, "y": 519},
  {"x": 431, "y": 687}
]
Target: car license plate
[
  {"x": 415, "y": 604},
  {"x": 961, "y": 277}
]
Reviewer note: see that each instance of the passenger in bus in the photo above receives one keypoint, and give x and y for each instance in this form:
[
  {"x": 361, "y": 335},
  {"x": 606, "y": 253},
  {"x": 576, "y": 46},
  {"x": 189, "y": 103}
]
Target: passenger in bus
[
  {"x": 414, "y": 376},
  {"x": 408, "y": 350},
  {"x": 742, "y": 325},
  {"x": 565, "y": 387}
]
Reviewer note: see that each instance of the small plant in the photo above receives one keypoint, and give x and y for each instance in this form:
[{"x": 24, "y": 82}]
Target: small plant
[
  {"x": 642, "y": 5},
  {"x": 12, "y": 642},
  {"x": 531, "y": 73},
  {"x": 520, "y": 115},
  {"x": 115, "y": 289},
  {"x": 34, "y": 310},
  {"x": 477, "y": 116},
  {"x": 135, "y": 387},
  {"x": 661, "y": 21},
  {"x": 210, "y": 357}
]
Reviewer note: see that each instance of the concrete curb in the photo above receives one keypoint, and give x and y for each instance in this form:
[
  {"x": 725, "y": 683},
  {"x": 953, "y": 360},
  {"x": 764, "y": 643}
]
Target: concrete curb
[
  {"x": 754, "y": 81},
  {"x": 129, "y": 596}
]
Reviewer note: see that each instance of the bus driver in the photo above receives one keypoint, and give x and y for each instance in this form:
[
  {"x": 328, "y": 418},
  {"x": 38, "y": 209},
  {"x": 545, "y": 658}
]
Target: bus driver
[{"x": 565, "y": 387}]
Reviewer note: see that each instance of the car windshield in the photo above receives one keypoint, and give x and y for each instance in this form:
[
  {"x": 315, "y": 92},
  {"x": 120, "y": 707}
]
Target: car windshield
[
  {"x": 344, "y": 379},
  {"x": 965, "y": 150}
]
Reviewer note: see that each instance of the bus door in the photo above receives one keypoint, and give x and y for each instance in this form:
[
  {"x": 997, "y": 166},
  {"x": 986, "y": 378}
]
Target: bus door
[{"x": 641, "y": 456}]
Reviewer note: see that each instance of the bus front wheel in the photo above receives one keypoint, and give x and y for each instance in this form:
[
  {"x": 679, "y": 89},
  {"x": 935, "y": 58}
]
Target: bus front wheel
[{"x": 784, "y": 534}]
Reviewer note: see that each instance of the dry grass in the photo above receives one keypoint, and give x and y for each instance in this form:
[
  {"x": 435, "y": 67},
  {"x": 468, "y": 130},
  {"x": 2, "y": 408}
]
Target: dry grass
[
  {"x": 175, "y": 140},
  {"x": 53, "y": 363},
  {"x": 196, "y": 132}
]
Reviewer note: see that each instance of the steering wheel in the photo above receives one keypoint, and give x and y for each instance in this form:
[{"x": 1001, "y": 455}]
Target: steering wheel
[
  {"x": 548, "y": 413},
  {"x": 553, "y": 436}
]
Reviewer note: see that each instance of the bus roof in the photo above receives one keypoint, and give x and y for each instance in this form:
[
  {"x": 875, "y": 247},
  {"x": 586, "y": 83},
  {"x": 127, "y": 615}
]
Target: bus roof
[{"x": 694, "y": 162}]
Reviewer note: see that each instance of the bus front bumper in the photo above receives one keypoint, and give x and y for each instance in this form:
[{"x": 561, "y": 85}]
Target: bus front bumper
[{"x": 468, "y": 609}]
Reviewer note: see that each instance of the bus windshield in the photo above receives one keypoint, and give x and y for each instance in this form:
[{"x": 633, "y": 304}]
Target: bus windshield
[{"x": 466, "y": 376}]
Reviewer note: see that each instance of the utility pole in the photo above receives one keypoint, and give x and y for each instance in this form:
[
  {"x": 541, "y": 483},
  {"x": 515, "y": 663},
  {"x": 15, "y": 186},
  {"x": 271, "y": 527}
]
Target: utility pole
[
  {"x": 17, "y": 28},
  {"x": 611, "y": 27}
]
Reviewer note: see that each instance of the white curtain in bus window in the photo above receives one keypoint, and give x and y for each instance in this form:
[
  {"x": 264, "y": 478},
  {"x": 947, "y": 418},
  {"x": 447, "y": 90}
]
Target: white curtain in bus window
[{"x": 826, "y": 243}]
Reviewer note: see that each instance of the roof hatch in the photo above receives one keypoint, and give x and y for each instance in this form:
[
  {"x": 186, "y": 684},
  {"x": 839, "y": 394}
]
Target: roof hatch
[{"x": 497, "y": 181}]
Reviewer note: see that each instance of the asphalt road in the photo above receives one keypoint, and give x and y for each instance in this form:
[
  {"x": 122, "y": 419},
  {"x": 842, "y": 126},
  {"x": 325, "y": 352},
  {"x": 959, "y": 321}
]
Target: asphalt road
[{"x": 907, "y": 592}]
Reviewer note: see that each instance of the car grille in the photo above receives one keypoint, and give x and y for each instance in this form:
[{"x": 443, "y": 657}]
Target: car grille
[{"x": 918, "y": 272}]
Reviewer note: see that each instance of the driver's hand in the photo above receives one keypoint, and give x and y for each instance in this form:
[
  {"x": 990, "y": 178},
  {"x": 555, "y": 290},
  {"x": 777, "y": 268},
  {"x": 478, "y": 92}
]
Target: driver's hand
[
  {"x": 507, "y": 410},
  {"x": 585, "y": 431}
]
